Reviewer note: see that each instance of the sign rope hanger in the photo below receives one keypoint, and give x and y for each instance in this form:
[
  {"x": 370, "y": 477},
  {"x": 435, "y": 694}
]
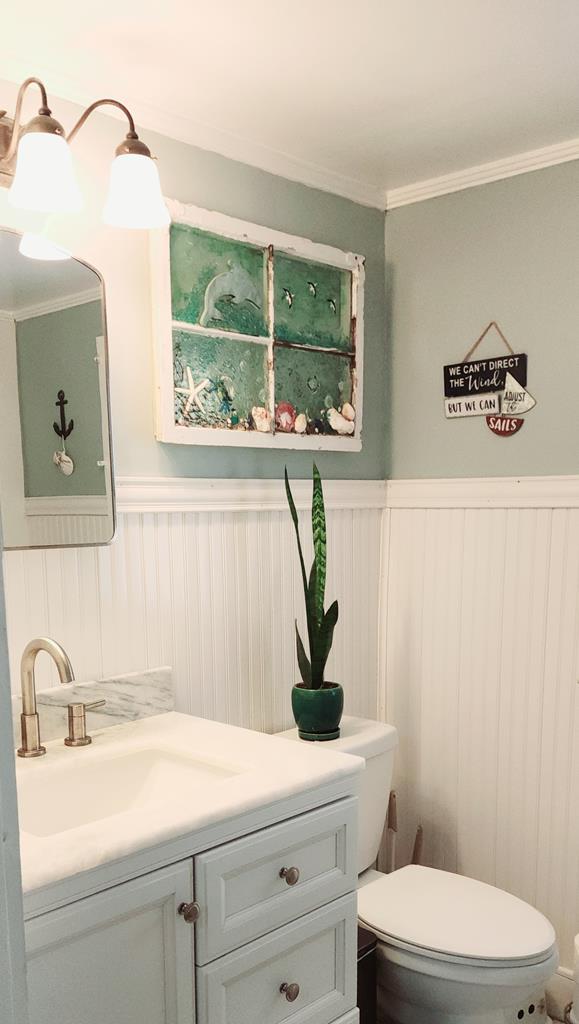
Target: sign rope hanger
[{"x": 474, "y": 347}]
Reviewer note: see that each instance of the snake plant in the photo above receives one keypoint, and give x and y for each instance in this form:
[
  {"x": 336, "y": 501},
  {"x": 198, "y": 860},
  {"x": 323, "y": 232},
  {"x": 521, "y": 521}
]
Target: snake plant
[{"x": 320, "y": 624}]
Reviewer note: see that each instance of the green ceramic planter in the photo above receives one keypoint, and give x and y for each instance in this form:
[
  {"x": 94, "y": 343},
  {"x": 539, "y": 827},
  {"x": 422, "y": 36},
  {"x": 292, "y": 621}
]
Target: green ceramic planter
[{"x": 318, "y": 712}]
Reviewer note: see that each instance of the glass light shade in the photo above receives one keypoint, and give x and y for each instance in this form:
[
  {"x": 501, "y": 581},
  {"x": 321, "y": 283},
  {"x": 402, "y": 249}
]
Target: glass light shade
[
  {"x": 44, "y": 180},
  {"x": 36, "y": 247},
  {"x": 135, "y": 199}
]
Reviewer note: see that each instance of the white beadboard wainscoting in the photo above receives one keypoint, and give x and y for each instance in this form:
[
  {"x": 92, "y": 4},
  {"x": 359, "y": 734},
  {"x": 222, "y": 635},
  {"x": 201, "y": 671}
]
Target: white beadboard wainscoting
[
  {"x": 480, "y": 666},
  {"x": 203, "y": 575},
  {"x": 459, "y": 618}
]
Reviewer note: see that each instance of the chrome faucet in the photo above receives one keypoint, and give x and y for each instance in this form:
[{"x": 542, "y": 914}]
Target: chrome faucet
[{"x": 29, "y": 722}]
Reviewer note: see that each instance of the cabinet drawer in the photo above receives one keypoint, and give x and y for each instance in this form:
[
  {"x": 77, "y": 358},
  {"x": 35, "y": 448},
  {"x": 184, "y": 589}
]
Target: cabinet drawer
[
  {"x": 241, "y": 892},
  {"x": 316, "y": 953}
]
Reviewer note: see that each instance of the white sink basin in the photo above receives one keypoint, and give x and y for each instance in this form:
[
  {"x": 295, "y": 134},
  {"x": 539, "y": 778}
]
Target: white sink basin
[
  {"x": 155, "y": 781},
  {"x": 59, "y": 799}
]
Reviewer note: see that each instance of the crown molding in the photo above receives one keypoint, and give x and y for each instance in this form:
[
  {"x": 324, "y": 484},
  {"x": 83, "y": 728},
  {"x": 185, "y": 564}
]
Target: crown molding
[
  {"x": 483, "y": 174},
  {"x": 185, "y": 129},
  {"x": 326, "y": 180},
  {"x": 215, "y": 140},
  {"x": 56, "y": 305},
  {"x": 254, "y": 154}
]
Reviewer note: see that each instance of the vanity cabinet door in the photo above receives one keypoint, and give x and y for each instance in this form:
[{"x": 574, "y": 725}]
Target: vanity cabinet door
[{"x": 124, "y": 956}]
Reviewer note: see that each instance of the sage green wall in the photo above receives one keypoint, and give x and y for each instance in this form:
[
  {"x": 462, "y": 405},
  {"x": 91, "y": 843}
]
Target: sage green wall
[
  {"x": 509, "y": 252},
  {"x": 57, "y": 351}
]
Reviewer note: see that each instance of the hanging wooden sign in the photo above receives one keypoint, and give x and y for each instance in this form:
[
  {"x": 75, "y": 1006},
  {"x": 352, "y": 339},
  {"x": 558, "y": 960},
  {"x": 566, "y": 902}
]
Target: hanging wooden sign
[
  {"x": 504, "y": 426},
  {"x": 494, "y": 388},
  {"x": 476, "y": 405}
]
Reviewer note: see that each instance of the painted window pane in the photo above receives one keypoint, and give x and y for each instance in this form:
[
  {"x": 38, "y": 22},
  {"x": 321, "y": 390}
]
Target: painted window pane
[
  {"x": 219, "y": 382},
  {"x": 313, "y": 392},
  {"x": 217, "y": 282},
  {"x": 312, "y": 303}
]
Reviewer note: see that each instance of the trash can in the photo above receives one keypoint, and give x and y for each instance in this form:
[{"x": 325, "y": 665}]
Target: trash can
[{"x": 366, "y": 976}]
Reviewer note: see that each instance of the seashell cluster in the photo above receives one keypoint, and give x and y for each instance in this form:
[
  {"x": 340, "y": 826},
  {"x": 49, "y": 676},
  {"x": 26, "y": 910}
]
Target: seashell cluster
[
  {"x": 287, "y": 420},
  {"x": 64, "y": 462},
  {"x": 285, "y": 417},
  {"x": 261, "y": 418},
  {"x": 340, "y": 423}
]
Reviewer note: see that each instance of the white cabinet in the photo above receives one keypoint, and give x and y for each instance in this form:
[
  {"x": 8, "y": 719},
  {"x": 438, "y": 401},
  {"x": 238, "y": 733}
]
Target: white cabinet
[
  {"x": 124, "y": 956},
  {"x": 127, "y": 956}
]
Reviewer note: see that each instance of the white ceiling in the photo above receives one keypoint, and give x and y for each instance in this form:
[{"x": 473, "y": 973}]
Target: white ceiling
[{"x": 374, "y": 93}]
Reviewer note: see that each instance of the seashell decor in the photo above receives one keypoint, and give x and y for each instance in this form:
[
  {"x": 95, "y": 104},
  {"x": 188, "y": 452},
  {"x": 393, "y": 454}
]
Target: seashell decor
[
  {"x": 339, "y": 422},
  {"x": 261, "y": 419}
]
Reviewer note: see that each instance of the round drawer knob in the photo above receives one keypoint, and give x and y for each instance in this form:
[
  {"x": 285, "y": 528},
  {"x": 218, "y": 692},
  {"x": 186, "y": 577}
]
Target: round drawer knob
[
  {"x": 291, "y": 875},
  {"x": 290, "y": 991},
  {"x": 189, "y": 912}
]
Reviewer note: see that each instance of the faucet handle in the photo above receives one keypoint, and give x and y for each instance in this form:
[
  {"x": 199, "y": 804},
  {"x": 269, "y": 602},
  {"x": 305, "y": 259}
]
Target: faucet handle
[
  {"x": 77, "y": 735},
  {"x": 95, "y": 704}
]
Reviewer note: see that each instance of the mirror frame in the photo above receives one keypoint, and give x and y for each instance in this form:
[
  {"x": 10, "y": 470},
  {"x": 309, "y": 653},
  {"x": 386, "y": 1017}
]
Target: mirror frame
[{"x": 109, "y": 431}]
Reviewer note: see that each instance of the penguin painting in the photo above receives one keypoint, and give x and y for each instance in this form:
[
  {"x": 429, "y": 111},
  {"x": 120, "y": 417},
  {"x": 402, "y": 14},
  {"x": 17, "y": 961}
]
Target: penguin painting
[
  {"x": 332, "y": 305},
  {"x": 312, "y": 288},
  {"x": 289, "y": 297}
]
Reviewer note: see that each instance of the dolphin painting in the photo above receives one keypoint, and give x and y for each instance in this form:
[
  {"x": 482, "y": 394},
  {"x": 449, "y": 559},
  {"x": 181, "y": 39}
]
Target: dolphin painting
[{"x": 234, "y": 284}]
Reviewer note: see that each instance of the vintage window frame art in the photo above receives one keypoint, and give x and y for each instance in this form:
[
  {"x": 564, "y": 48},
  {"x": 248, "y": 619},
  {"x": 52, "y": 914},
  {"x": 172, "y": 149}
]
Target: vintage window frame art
[{"x": 259, "y": 336}]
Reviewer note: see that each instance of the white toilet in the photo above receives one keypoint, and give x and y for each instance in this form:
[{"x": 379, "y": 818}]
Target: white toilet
[{"x": 451, "y": 950}]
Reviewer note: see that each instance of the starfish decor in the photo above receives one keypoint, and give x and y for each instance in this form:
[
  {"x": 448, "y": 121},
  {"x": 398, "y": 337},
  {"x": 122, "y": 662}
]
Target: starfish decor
[{"x": 192, "y": 391}]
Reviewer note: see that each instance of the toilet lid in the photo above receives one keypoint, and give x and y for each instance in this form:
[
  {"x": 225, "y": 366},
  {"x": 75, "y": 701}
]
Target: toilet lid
[{"x": 453, "y": 917}]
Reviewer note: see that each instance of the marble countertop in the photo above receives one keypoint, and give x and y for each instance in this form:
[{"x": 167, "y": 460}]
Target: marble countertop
[{"x": 251, "y": 770}]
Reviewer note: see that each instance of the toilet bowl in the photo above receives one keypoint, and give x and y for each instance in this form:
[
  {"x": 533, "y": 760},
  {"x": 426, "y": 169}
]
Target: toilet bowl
[{"x": 451, "y": 950}]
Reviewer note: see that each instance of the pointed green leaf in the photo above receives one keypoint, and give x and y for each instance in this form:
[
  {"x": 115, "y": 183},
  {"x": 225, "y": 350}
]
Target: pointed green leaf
[
  {"x": 325, "y": 638},
  {"x": 313, "y": 624},
  {"x": 312, "y": 591},
  {"x": 295, "y": 519},
  {"x": 319, "y": 537},
  {"x": 303, "y": 662}
]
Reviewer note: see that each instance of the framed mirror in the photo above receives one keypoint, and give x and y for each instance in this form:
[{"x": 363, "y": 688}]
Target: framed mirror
[{"x": 56, "y": 481}]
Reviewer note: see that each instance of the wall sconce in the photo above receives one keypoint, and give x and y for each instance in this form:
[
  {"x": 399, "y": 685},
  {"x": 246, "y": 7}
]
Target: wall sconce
[{"x": 36, "y": 164}]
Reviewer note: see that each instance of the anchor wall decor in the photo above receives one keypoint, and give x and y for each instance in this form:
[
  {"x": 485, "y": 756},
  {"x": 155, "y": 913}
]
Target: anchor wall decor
[{"x": 60, "y": 458}]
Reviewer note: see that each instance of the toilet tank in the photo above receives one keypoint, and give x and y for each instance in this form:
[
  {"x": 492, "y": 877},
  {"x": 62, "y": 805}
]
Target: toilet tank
[{"x": 376, "y": 743}]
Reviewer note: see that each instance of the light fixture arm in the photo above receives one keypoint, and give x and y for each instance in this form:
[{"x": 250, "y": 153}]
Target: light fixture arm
[
  {"x": 42, "y": 177},
  {"x": 7, "y": 157},
  {"x": 101, "y": 103},
  {"x": 131, "y": 144}
]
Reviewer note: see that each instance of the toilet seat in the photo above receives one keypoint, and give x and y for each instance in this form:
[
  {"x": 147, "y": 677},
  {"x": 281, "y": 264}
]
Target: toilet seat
[{"x": 443, "y": 916}]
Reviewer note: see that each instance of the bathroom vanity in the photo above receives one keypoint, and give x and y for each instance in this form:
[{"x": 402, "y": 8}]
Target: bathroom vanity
[{"x": 180, "y": 870}]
